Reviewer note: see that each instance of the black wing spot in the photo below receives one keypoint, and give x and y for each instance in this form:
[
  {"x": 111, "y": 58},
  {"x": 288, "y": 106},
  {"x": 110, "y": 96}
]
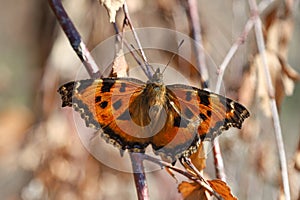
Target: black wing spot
[
  {"x": 97, "y": 99},
  {"x": 107, "y": 85},
  {"x": 180, "y": 122},
  {"x": 202, "y": 116},
  {"x": 204, "y": 98},
  {"x": 177, "y": 121},
  {"x": 208, "y": 113},
  {"x": 103, "y": 104},
  {"x": 117, "y": 104}
]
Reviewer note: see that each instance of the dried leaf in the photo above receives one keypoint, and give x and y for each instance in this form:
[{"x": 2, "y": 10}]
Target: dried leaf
[
  {"x": 199, "y": 158},
  {"x": 120, "y": 66},
  {"x": 192, "y": 191},
  {"x": 112, "y": 6},
  {"x": 283, "y": 85},
  {"x": 222, "y": 189}
]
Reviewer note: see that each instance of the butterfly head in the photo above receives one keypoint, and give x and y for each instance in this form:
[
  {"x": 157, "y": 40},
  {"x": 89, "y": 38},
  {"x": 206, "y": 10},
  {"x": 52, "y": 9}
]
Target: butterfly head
[{"x": 157, "y": 77}]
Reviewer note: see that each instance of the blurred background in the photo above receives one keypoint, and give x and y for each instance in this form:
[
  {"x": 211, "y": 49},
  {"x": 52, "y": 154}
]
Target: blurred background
[{"x": 41, "y": 156}]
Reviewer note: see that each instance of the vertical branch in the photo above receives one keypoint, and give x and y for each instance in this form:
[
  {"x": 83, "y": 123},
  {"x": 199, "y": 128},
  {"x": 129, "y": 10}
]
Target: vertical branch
[
  {"x": 139, "y": 176},
  {"x": 271, "y": 92},
  {"x": 74, "y": 38},
  {"x": 192, "y": 10},
  {"x": 193, "y": 15},
  {"x": 93, "y": 70},
  {"x": 136, "y": 158}
]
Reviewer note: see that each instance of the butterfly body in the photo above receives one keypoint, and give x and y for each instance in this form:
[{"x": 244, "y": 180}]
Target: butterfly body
[{"x": 133, "y": 114}]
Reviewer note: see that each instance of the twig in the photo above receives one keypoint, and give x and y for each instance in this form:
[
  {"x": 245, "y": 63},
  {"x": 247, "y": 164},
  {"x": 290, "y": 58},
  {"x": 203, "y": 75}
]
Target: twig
[
  {"x": 192, "y": 12},
  {"x": 198, "y": 179},
  {"x": 139, "y": 176},
  {"x": 240, "y": 40},
  {"x": 136, "y": 158},
  {"x": 75, "y": 38},
  {"x": 271, "y": 92},
  {"x": 231, "y": 53},
  {"x": 128, "y": 21},
  {"x": 220, "y": 173},
  {"x": 218, "y": 160}
]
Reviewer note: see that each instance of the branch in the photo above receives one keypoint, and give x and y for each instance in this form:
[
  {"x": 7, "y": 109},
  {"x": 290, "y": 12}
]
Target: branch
[
  {"x": 128, "y": 21},
  {"x": 75, "y": 38},
  {"x": 271, "y": 92},
  {"x": 192, "y": 13},
  {"x": 139, "y": 176}
]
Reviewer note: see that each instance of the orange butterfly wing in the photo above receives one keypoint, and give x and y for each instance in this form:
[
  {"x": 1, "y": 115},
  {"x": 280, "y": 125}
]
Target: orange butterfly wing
[
  {"x": 214, "y": 112},
  {"x": 103, "y": 104}
]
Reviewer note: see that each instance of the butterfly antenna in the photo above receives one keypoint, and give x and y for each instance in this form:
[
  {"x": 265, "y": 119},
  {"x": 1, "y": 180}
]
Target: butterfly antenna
[
  {"x": 173, "y": 56},
  {"x": 145, "y": 61}
]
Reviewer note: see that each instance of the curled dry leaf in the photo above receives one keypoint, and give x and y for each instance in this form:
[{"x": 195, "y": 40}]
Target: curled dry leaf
[
  {"x": 120, "y": 67},
  {"x": 254, "y": 91},
  {"x": 282, "y": 83},
  {"x": 112, "y": 6},
  {"x": 199, "y": 158},
  {"x": 222, "y": 189},
  {"x": 194, "y": 191}
]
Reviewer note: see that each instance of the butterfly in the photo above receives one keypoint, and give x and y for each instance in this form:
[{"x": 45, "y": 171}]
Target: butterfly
[{"x": 132, "y": 114}]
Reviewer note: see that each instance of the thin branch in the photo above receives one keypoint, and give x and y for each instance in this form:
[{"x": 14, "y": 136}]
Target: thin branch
[
  {"x": 219, "y": 164},
  {"x": 240, "y": 40},
  {"x": 193, "y": 15},
  {"x": 75, "y": 38},
  {"x": 271, "y": 92},
  {"x": 136, "y": 158},
  {"x": 129, "y": 22},
  {"x": 218, "y": 160},
  {"x": 198, "y": 179}
]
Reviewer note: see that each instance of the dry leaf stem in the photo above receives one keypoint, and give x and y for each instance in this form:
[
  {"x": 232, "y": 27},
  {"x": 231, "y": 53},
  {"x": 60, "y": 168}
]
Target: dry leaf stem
[
  {"x": 74, "y": 38},
  {"x": 274, "y": 110}
]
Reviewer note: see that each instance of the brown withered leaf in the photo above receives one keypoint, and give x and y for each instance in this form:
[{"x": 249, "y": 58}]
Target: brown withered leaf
[
  {"x": 120, "y": 66},
  {"x": 222, "y": 189},
  {"x": 112, "y": 6},
  {"x": 192, "y": 191},
  {"x": 199, "y": 158},
  {"x": 283, "y": 85}
]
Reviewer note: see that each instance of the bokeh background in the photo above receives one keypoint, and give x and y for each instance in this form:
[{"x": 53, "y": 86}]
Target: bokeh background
[{"x": 41, "y": 156}]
